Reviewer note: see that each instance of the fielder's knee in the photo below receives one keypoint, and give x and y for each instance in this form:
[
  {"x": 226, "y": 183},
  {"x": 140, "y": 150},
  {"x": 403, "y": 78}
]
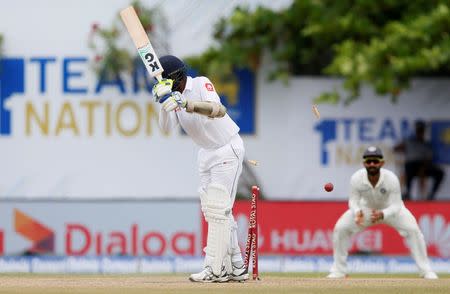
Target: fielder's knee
[
  {"x": 339, "y": 228},
  {"x": 337, "y": 233},
  {"x": 416, "y": 232}
]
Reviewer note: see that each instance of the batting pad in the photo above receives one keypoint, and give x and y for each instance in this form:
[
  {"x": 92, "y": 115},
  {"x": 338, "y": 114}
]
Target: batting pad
[
  {"x": 203, "y": 202},
  {"x": 217, "y": 212}
]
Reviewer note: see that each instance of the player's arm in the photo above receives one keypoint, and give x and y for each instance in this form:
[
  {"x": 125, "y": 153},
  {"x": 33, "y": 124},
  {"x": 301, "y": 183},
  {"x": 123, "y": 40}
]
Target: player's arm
[
  {"x": 209, "y": 103},
  {"x": 167, "y": 120},
  {"x": 161, "y": 91},
  {"x": 395, "y": 198},
  {"x": 208, "y": 108},
  {"x": 353, "y": 201}
]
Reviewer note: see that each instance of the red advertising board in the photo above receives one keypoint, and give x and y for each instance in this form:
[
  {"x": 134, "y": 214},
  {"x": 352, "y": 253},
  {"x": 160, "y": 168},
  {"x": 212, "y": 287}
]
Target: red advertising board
[{"x": 302, "y": 228}]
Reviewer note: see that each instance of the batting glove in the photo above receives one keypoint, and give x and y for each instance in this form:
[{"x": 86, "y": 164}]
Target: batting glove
[
  {"x": 162, "y": 88},
  {"x": 172, "y": 101}
]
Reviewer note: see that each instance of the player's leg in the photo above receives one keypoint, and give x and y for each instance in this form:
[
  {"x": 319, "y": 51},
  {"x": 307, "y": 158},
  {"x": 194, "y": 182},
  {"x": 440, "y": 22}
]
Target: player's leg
[
  {"x": 204, "y": 163},
  {"x": 223, "y": 167},
  {"x": 239, "y": 272},
  {"x": 406, "y": 224},
  {"x": 216, "y": 207},
  {"x": 343, "y": 231},
  {"x": 227, "y": 172}
]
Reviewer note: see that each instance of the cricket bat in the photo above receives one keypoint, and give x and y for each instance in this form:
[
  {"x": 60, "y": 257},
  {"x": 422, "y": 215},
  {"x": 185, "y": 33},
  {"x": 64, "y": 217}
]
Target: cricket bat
[{"x": 142, "y": 42}]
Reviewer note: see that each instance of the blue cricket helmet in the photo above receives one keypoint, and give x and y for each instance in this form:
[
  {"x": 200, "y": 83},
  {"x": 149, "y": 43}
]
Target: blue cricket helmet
[{"x": 174, "y": 69}]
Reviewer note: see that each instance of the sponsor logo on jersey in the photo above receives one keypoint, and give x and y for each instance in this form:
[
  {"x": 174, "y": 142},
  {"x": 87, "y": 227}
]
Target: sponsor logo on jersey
[{"x": 209, "y": 87}]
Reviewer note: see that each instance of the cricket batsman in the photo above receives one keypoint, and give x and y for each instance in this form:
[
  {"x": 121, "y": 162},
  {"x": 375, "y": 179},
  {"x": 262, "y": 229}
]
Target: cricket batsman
[
  {"x": 375, "y": 198},
  {"x": 194, "y": 104}
]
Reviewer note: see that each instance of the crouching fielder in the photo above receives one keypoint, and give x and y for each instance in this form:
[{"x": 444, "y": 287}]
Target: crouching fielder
[
  {"x": 194, "y": 104},
  {"x": 375, "y": 198}
]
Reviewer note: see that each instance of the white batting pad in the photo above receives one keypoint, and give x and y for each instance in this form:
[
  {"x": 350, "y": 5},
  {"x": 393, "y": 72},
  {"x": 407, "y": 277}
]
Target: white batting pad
[
  {"x": 203, "y": 201},
  {"x": 217, "y": 212}
]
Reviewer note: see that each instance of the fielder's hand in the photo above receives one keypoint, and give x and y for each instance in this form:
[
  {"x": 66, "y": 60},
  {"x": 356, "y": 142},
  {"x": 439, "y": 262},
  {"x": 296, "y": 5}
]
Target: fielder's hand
[
  {"x": 172, "y": 101},
  {"x": 162, "y": 88},
  {"x": 359, "y": 218},
  {"x": 376, "y": 216}
]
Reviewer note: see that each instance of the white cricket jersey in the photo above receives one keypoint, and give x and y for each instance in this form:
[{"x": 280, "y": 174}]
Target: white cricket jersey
[
  {"x": 384, "y": 196},
  {"x": 208, "y": 133}
]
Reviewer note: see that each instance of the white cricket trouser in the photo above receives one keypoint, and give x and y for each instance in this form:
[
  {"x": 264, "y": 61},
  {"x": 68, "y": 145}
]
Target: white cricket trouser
[
  {"x": 224, "y": 166},
  {"x": 404, "y": 222}
]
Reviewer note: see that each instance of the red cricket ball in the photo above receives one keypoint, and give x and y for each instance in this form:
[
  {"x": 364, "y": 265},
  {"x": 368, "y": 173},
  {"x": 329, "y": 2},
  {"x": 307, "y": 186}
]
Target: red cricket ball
[{"x": 328, "y": 187}]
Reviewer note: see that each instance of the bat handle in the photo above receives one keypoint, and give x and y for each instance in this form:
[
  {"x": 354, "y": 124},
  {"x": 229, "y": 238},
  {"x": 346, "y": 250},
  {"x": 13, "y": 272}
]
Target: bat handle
[{"x": 158, "y": 77}]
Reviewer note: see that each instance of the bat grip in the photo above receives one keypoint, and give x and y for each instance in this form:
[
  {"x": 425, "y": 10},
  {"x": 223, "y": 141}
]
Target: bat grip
[{"x": 158, "y": 77}]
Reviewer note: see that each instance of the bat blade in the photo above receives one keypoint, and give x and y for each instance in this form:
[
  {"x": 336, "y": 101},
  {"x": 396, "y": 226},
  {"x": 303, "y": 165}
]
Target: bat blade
[{"x": 142, "y": 42}]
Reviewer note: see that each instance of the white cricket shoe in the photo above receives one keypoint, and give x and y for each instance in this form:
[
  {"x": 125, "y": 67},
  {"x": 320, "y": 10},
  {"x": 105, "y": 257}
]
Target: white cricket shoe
[
  {"x": 239, "y": 274},
  {"x": 207, "y": 276},
  {"x": 430, "y": 276},
  {"x": 336, "y": 275}
]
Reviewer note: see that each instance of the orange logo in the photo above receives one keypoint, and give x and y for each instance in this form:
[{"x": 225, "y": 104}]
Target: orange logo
[{"x": 42, "y": 237}]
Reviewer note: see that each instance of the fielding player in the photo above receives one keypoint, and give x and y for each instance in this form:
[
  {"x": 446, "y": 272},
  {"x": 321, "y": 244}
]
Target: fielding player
[
  {"x": 219, "y": 158},
  {"x": 375, "y": 198}
]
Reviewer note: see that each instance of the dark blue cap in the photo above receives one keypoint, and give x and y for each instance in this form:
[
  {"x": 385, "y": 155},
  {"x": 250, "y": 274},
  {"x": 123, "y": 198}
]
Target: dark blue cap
[{"x": 373, "y": 151}]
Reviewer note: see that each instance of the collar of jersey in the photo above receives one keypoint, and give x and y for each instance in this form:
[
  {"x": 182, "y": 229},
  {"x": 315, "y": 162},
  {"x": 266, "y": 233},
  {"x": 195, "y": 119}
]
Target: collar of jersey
[{"x": 380, "y": 180}]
